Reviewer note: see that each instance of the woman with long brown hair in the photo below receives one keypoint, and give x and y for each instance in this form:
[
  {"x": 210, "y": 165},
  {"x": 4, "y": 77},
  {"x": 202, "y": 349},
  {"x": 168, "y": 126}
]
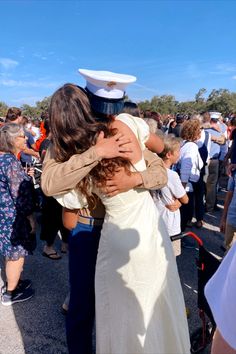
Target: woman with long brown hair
[
  {"x": 139, "y": 301},
  {"x": 60, "y": 177}
]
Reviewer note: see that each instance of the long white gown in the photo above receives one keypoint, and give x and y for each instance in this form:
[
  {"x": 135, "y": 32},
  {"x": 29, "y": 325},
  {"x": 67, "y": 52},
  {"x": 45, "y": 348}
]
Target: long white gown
[{"x": 139, "y": 301}]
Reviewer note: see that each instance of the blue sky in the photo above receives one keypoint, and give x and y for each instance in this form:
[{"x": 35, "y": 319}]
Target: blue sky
[{"x": 173, "y": 47}]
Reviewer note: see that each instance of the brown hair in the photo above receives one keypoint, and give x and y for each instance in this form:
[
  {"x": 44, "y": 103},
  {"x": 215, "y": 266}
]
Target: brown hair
[
  {"x": 74, "y": 130},
  {"x": 190, "y": 130},
  {"x": 25, "y": 120},
  {"x": 206, "y": 117},
  {"x": 73, "y": 127},
  {"x": 12, "y": 114}
]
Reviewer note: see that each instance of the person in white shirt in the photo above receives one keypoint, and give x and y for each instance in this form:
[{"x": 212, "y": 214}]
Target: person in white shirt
[
  {"x": 204, "y": 145},
  {"x": 36, "y": 129},
  {"x": 190, "y": 166},
  {"x": 220, "y": 292},
  {"x": 170, "y": 198}
]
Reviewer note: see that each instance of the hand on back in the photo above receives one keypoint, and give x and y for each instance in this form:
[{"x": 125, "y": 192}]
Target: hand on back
[{"x": 118, "y": 145}]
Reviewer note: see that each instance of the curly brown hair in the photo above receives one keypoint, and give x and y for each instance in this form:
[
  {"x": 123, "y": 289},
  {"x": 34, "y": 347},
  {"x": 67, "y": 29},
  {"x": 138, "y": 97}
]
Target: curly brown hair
[
  {"x": 74, "y": 130},
  {"x": 191, "y": 130},
  {"x": 12, "y": 114}
]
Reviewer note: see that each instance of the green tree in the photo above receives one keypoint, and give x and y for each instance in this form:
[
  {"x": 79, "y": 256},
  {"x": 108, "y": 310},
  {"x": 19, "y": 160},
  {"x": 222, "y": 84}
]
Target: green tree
[
  {"x": 43, "y": 105},
  {"x": 222, "y": 100},
  {"x": 29, "y": 111},
  {"x": 36, "y": 111},
  {"x": 145, "y": 105},
  {"x": 164, "y": 104},
  {"x": 3, "y": 109},
  {"x": 199, "y": 95}
]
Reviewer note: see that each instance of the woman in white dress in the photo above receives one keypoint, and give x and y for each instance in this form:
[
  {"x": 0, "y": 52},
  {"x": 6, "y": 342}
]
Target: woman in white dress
[{"x": 139, "y": 300}]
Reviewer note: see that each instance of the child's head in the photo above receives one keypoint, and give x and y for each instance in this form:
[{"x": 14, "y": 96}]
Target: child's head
[{"x": 171, "y": 150}]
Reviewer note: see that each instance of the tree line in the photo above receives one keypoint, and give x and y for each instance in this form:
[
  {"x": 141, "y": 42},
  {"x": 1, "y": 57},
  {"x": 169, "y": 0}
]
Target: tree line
[{"x": 221, "y": 100}]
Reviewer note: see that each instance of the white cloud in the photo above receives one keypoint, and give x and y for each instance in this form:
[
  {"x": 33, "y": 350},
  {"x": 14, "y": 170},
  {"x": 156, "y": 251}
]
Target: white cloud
[
  {"x": 21, "y": 83},
  {"x": 8, "y": 63},
  {"x": 227, "y": 67},
  {"x": 224, "y": 69},
  {"x": 234, "y": 77}
]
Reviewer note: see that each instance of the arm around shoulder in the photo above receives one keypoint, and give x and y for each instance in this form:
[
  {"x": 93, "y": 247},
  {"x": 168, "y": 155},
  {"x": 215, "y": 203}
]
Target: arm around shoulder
[{"x": 61, "y": 177}]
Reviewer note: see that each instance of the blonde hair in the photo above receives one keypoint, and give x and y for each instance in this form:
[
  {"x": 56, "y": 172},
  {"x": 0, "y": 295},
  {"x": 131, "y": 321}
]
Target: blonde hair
[{"x": 171, "y": 143}]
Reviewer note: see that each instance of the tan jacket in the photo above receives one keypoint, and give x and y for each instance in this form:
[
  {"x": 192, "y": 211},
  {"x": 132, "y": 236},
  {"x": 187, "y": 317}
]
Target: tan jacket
[{"x": 58, "y": 178}]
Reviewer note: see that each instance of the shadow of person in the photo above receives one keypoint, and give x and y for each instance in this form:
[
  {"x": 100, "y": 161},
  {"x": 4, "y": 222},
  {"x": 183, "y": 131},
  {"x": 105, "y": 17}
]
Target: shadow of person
[
  {"x": 37, "y": 324},
  {"x": 167, "y": 329},
  {"x": 39, "y": 320},
  {"x": 119, "y": 316}
]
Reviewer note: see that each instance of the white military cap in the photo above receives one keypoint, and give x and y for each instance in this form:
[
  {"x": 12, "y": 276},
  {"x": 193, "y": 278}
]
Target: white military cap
[
  {"x": 106, "y": 84},
  {"x": 215, "y": 115}
]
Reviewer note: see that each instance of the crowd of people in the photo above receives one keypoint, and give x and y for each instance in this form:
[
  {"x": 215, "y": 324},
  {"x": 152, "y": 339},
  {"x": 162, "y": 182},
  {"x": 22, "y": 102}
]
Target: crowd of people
[{"x": 116, "y": 183}]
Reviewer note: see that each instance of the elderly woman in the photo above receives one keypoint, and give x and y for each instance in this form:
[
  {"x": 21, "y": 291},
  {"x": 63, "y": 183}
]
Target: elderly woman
[
  {"x": 16, "y": 206},
  {"x": 190, "y": 166}
]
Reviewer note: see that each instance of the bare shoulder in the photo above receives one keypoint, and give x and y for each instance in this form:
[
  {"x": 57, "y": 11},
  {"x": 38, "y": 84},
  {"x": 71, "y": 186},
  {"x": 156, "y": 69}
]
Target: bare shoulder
[
  {"x": 122, "y": 127},
  {"x": 128, "y": 132}
]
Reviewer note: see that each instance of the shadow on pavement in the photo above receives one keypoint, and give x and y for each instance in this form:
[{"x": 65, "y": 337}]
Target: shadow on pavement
[{"x": 37, "y": 325}]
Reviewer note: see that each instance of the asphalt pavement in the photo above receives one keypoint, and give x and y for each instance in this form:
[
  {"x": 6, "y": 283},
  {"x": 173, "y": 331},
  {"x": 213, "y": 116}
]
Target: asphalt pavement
[{"x": 37, "y": 326}]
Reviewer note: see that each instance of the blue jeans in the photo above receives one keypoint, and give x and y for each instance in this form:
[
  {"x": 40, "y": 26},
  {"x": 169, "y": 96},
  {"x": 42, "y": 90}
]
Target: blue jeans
[{"x": 83, "y": 247}]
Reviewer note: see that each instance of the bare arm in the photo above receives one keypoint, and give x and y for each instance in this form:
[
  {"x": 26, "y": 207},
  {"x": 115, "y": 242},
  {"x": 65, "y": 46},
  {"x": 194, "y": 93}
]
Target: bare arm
[
  {"x": 155, "y": 143},
  {"x": 227, "y": 202},
  {"x": 177, "y": 203},
  {"x": 31, "y": 152},
  {"x": 220, "y": 346},
  {"x": 184, "y": 199}
]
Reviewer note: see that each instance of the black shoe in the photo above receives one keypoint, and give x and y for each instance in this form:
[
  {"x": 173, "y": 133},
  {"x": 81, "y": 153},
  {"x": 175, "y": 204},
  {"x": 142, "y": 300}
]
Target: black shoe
[
  {"x": 10, "y": 298},
  {"x": 21, "y": 286}
]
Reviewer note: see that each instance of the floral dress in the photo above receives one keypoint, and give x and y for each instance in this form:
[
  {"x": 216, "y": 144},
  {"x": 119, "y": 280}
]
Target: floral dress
[{"x": 16, "y": 203}]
